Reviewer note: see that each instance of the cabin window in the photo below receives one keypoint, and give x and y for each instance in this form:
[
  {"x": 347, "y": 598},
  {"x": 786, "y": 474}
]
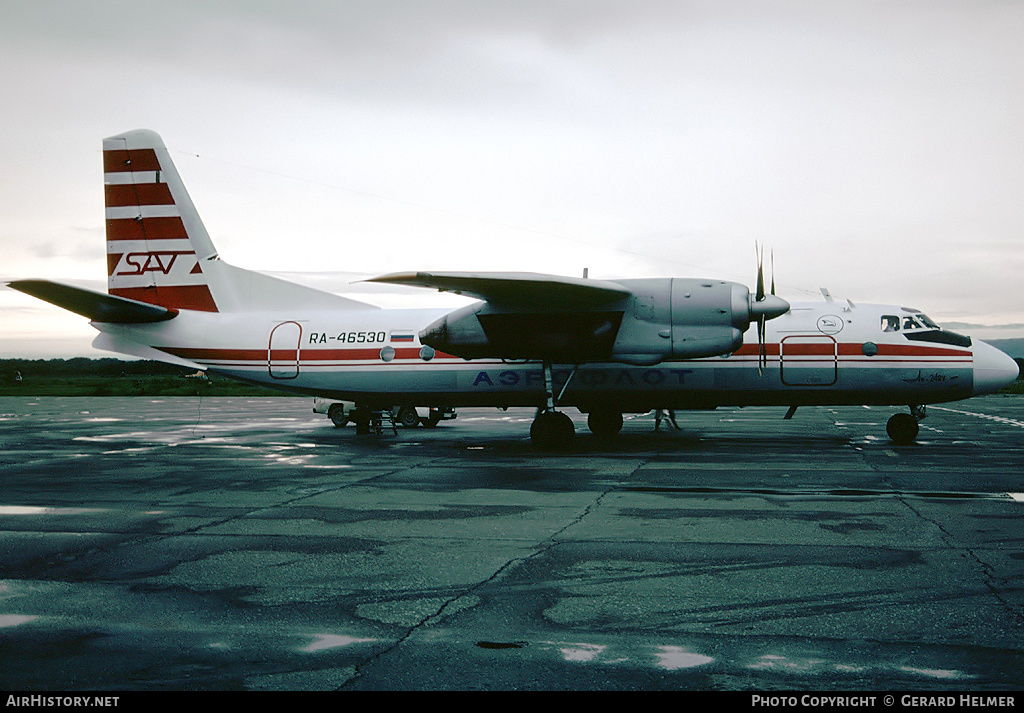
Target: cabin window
[{"x": 890, "y": 323}]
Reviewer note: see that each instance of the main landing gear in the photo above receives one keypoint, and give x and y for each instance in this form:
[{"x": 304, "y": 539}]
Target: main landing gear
[
  {"x": 604, "y": 422},
  {"x": 903, "y": 427},
  {"x": 551, "y": 429},
  {"x": 554, "y": 430}
]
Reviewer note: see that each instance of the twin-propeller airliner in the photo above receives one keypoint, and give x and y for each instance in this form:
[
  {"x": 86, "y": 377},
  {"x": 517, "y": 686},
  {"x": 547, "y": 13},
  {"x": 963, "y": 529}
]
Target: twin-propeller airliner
[{"x": 605, "y": 347}]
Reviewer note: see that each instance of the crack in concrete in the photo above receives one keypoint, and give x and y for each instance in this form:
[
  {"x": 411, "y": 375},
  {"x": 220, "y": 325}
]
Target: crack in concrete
[{"x": 542, "y": 547}]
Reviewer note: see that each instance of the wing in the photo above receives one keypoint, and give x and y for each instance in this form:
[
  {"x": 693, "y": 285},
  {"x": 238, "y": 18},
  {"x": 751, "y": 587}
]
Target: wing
[
  {"x": 523, "y": 315},
  {"x": 518, "y": 290},
  {"x": 576, "y": 320}
]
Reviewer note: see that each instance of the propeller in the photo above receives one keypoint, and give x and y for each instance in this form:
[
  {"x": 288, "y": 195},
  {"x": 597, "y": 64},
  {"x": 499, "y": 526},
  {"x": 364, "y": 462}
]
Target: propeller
[
  {"x": 765, "y": 306},
  {"x": 762, "y": 353}
]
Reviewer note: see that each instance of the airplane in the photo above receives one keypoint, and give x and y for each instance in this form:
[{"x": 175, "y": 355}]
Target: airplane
[{"x": 604, "y": 347}]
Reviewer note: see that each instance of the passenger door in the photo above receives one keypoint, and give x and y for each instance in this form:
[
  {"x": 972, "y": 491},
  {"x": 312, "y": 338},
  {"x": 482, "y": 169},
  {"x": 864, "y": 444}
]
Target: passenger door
[
  {"x": 811, "y": 360},
  {"x": 283, "y": 350}
]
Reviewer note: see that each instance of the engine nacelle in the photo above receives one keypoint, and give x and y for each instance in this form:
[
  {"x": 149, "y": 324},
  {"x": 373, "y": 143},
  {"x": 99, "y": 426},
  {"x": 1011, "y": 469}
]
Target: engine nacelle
[
  {"x": 681, "y": 318},
  {"x": 662, "y": 318},
  {"x": 482, "y": 330}
]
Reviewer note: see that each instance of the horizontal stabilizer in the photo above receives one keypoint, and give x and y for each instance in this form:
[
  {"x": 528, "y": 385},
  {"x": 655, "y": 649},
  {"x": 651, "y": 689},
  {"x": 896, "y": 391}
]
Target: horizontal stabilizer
[
  {"x": 97, "y": 306},
  {"x": 515, "y": 289},
  {"x": 119, "y": 344}
]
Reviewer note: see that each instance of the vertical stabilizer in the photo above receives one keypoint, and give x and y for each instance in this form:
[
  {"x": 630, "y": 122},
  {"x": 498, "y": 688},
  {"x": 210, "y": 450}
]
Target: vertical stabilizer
[
  {"x": 156, "y": 243},
  {"x": 158, "y": 250}
]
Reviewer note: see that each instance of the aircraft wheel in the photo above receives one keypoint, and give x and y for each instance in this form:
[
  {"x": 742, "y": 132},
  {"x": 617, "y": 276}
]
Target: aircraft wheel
[
  {"x": 605, "y": 422},
  {"x": 408, "y": 417},
  {"x": 361, "y": 418},
  {"x": 337, "y": 415},
  {"x": 552, "y": 430},
  {"x": 902, "y": 428}
]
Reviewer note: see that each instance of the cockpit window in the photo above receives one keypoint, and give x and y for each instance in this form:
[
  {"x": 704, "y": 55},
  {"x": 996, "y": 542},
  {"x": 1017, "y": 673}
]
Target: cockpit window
[
  {"x": 892, "y": 323},
  {"x": 921, "y": 329}
]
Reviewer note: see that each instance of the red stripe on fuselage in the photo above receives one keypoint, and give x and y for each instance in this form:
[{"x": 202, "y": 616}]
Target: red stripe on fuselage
[
  {"x": 308, "y": 355},
  {"x": 214, "y": 354},
  {"x": 902, "y": 350},
  {"x": 853, "y": 349},
  {"x": 754, "y": 350},
  {"x": 312, "y": 356},
  {"x": 360, "y": 354}
]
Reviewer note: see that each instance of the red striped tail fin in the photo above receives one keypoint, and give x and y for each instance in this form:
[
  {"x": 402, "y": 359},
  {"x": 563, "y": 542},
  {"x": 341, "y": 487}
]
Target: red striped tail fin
[{"x": 156, "y": 243}]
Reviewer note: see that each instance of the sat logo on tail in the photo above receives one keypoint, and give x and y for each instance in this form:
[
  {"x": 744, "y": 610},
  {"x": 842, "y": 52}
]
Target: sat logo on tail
[{"x": 158, "y": 261}]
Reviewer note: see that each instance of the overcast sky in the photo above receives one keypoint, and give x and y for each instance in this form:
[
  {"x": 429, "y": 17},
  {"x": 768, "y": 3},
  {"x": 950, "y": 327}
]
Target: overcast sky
[{"x": 876, "y": 147}]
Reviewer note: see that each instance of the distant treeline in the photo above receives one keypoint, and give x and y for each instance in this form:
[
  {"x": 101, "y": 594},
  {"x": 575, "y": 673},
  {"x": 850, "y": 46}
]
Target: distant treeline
[
  {"x": 115, "y": 377},
  {"x": 82, "y": 366}
]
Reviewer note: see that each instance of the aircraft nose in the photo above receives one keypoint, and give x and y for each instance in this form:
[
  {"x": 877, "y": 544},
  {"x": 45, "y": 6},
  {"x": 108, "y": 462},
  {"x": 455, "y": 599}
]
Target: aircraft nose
[{"x": 992, "y": 369}]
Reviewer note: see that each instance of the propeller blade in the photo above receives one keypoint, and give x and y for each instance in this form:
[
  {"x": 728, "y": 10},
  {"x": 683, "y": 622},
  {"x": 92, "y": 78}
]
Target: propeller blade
[
  {"x": 758, "y": 298},
  {"x": 765, "y": 306},
  {"x": 762, "y": 355},
  {"x": 760, "y": 273}
]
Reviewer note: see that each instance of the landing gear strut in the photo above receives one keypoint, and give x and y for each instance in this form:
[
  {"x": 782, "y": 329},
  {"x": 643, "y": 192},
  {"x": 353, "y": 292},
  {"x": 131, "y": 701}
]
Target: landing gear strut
[
  {"x": 552, "y": 429},
  {"x": 902, "y": 427}
]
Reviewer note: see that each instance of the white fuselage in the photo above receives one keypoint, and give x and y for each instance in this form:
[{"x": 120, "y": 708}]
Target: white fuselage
[{"x": 817, "y": 353}]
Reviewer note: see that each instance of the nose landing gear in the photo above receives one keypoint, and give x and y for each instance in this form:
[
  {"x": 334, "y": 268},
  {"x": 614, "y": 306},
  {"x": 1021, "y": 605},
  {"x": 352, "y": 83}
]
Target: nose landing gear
[{"x": 903, "y": 427}]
